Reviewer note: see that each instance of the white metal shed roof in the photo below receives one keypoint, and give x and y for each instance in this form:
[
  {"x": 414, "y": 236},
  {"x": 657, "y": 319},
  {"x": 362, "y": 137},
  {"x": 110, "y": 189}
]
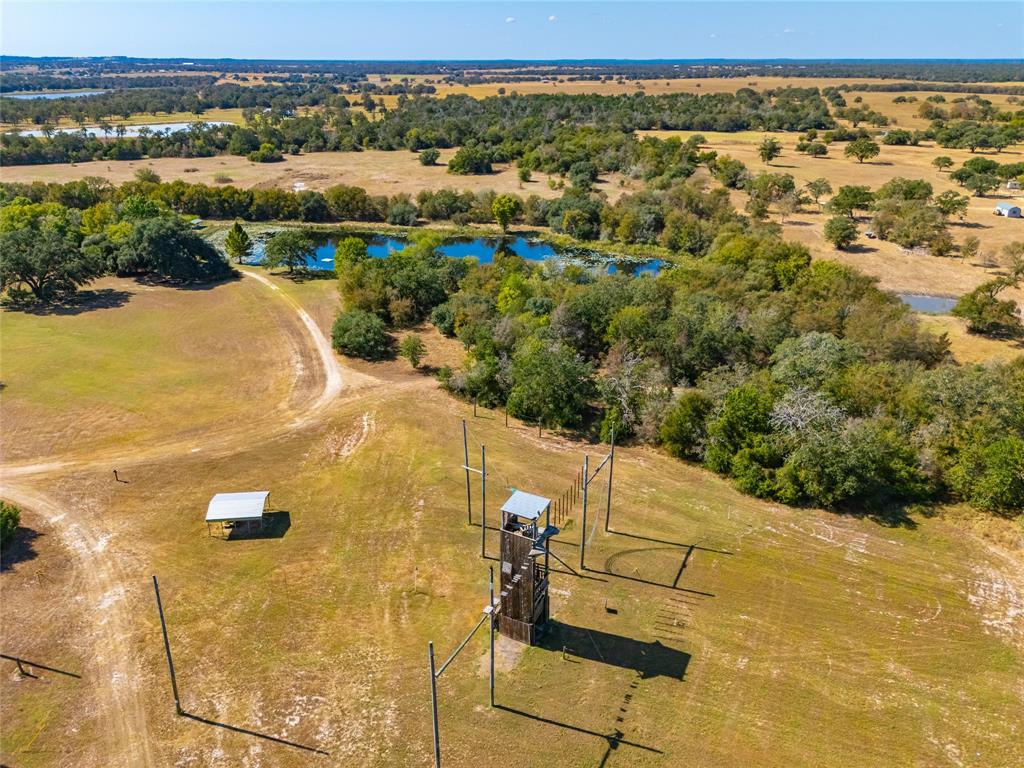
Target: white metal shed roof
[
  {"x": 236, "y": 506},
  {"x": 525, "y": 505}
]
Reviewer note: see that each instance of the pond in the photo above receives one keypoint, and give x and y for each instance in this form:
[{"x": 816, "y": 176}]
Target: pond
[
  {"x": 932, "y": 305},
  {"x": 131, "y": 131},
  {"x": 52, "y": 95},
  {"x": 480, "y": 248}
]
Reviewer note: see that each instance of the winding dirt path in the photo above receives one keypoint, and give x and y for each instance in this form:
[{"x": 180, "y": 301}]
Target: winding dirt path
[{"x": 106, "y": 588}]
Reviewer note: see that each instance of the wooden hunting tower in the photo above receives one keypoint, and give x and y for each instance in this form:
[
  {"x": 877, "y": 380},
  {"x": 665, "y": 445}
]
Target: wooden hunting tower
[{"x": 524, "y": 573}]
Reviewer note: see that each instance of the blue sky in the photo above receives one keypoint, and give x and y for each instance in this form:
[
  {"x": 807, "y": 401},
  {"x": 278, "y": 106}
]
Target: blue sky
[{"x": 491, "y": 29}]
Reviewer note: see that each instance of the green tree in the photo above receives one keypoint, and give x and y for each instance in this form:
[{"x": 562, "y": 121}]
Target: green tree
[
  {"x": 505, "y": 209},
  {"x": 290, "y": 248},
  {"x": 470, "y": 160},
  {"x": 991, "y": 475},
  {"x": 51, "y": 264},
  {"x": 986, "y": 313},
  {"x": 429, "y": 156},
  {"x": 147, "y": 176},
  {"x": 950, "y": 203},
  {"x": 412, "y": 349},
  {"x": 850, "y": 199},
  {"x": 817, "y": 149},
  {"x": 862, "y": 149},
  {"x": 769, "y": 149},
  {"x": 942, "y": 163},
  {"x": 684, "y": 428},
  {"x": 525, "y": 174},
  {"x": 551, "y": 383},
  {"x": 238, "y": 244},
  {"x": 817, "y": 189},
  {"x": 982, "y": 183},
  {"x": 167, "y": 248},
  {"x": 969, "y": 248},
  {"x": 10, "y": 519},
  {"x": 360, "y": 334},
  {"x": 841, "y": 231}
]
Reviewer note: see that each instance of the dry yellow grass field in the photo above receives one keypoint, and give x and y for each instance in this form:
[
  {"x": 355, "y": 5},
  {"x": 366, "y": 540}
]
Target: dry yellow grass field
[
  {"x": 380, "y": 173},
  {"x": 230, "y": 115},
  {"x": 896, "y": 268},
  {"x": 713, "y": 629}
]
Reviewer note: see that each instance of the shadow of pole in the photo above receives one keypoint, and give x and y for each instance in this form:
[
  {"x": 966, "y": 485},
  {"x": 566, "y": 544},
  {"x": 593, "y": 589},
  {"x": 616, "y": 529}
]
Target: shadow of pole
[
  {"x": 257, "y": 734},
  {"x": 19, "y": 661},
  {"x": 613, "y": 739}
]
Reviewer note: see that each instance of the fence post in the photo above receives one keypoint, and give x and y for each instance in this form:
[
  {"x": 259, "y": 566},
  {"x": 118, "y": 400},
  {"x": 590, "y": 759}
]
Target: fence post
[
  {"x": 491, "y": 603},
  {"x": 611, "y": 469},
  {"x": 483, "y": 501},
  {"x": 583, "y": 533},
  {"x": 465, "y": 463},
  {"x": 433, "y": 704}
]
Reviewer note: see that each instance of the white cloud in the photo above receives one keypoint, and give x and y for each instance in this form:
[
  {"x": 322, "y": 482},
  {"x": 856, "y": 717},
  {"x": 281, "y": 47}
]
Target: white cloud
[
  {"x": 552, "y": 18},
  {"x": 510, "y": 19},
  {"x": 786, "y": 31},
  {"x": 712, "y": 35}
]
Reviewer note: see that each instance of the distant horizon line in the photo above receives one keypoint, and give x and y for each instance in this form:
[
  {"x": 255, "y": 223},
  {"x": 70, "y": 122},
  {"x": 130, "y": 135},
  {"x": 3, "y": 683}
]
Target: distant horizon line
[{"x": 185, "y": 60}]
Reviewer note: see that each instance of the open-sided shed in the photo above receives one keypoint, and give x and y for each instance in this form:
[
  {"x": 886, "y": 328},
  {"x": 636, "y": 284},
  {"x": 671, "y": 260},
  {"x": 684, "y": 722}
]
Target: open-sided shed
[{"x": 236, "y": 511}]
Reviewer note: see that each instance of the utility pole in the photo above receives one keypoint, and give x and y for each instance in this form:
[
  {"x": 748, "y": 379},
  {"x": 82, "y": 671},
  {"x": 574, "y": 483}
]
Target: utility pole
[
  {"x": 483, "y": 500},
  {"x": 465, "y": 463},
  {"x": 611, "y": 469},
  {"x": 491, "y": 603},
  {"x": 433, "y": 704},
  {"x": 167, "y": 648},
  {"x": 583, "y": 536}
]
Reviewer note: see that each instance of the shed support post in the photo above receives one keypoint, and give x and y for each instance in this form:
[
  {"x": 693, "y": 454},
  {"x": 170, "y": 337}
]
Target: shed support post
[
  {"x": 433, "y": 705},
  {"x": 465, "y": 463},
  {"x": 583, "y": 532},
  {"x": 167, "y": 648}
]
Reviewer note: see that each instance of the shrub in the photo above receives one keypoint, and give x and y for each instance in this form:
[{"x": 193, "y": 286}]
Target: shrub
[
  {"x": 470, "y": 160},
  {"x": 10, "y": 519},
  {"x": 412, "y": 349},
  {"x": 360, "y": 334},
  {"x": 841, "y": 231},
  {"x": 429, "y": 156},
  {"x": 685, "y": 426}
]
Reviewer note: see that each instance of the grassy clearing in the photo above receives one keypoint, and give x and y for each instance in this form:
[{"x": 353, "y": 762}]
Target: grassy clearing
[
  {"x": 230, "y": 115},
  {"x": 897, "y": 269},
  {"x": 380, "y": 173},
  {"x": 142, "y": 363},
  {"x": 742, "y": 632}
]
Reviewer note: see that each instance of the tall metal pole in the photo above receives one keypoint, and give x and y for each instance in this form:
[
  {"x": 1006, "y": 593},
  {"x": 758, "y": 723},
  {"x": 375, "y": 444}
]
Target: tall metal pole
[
  {"x": 483, "y": 501},
  {"x": 167, "y": 648},
  {"x": 583, "y": 536},
  {"x": 465, "y": 463},
  {"x": 492, "y": 635},
  {"x": 611, "y": 469},
  {"x": 433, "y": 704}
]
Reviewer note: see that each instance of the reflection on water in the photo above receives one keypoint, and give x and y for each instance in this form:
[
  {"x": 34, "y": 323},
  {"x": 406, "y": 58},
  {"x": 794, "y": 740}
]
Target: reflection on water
[{"x": 481, "y": 248}]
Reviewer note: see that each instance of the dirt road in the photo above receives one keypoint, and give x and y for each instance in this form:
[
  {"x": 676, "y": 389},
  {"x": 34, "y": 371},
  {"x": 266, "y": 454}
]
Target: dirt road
[{"x": 86, "y": 535}]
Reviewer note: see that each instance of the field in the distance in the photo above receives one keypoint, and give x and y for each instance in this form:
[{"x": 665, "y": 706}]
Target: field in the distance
[
  {"x": 714, "y": 629},
  {"x": 380, "y": 173}
]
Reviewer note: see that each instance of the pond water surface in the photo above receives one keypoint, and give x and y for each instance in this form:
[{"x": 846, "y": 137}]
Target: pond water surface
[
  {"x": 130, "y": 131},
  {"x": 480, "y": 248},
  {"x": 932, "y": 305},
  {"x": 52, "y": 95}
]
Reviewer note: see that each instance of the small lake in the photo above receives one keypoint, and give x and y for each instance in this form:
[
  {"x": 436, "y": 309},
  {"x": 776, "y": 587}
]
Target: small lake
[
  {"x": 52, "y": 95},
  {"x": 481, "y": 248},
  {"x": 131, "y": 131},
  {"x": 932, "y": 305}
]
